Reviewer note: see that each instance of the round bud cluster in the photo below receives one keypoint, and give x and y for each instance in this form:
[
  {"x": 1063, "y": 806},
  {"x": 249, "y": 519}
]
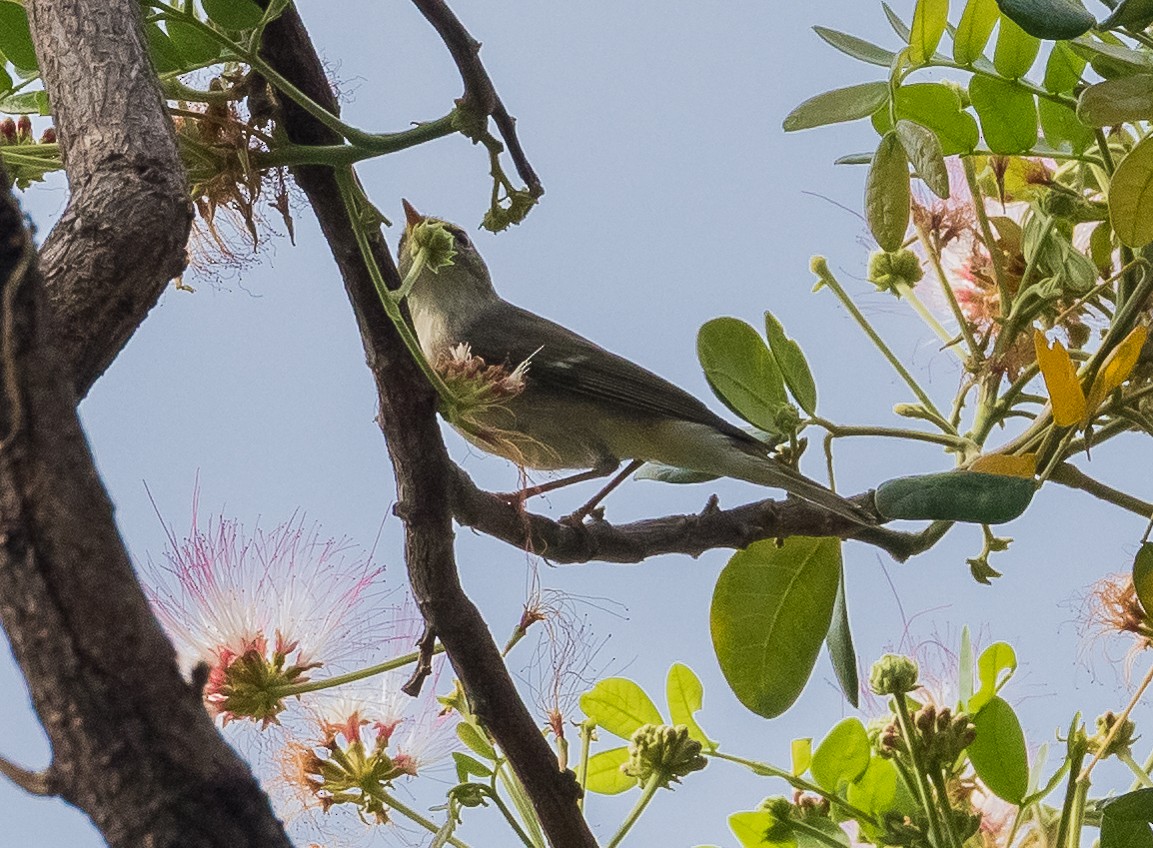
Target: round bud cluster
[
  {"x": 663, "y": 750},
  {"x": 893, "y": 674},
  {"x": 1123, "y": 736},
  {"x": 435, "y": 240},
  {"x": 943, "y": 735},
  {"x": 888, "y": 271}
]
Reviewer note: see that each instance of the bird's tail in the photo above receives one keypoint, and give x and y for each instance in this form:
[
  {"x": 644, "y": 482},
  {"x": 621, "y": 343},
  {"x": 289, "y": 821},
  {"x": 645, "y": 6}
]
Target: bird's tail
[{"x": 764, "y": 471}]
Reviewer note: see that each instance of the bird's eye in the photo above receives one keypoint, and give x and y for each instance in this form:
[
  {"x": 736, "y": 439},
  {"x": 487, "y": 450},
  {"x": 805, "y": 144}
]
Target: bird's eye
[{"x": 460, "y": 238}]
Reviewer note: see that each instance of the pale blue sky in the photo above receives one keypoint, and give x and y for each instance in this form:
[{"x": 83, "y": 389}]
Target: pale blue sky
[{"x": 672, "y": 197}]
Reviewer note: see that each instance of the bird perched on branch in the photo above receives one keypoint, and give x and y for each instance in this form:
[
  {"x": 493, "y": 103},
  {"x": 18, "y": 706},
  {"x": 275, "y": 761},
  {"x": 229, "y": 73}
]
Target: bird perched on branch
[{"x": 544, "y": 397}]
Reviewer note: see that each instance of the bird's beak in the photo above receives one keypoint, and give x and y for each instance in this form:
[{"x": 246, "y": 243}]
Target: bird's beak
[{"x": 411, "y": 216}]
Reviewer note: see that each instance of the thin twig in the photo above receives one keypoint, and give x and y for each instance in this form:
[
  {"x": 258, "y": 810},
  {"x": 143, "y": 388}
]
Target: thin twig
[{"x": 32, "y": 782}]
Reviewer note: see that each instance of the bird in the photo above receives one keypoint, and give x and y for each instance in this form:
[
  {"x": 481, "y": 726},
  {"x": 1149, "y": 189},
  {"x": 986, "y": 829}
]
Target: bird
[{"x": 566, "y": 402}]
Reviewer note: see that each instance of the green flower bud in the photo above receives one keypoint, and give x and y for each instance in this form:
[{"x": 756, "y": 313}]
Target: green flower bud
[
  {"x": 435, "y": 240},
  {"x": 893, "y": 674},
  {"x": 889, "y": 271},
  {"x": 665, "y": 751},
  {"x": 469, "y": 795},
  {"x": 1122, "y": 740}
]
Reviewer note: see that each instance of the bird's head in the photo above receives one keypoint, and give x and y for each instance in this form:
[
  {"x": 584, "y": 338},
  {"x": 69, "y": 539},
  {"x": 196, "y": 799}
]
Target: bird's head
[{"x": 465, "y": 280}]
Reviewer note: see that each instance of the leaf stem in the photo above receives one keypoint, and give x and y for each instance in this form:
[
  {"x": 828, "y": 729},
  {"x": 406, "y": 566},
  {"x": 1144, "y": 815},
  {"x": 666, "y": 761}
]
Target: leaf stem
[
  {"x": 650, "y": 789},
  {"x": 412, "y": 815},
  {"x": 959, "y": 316},
  {"x": 351, "y": 677}
]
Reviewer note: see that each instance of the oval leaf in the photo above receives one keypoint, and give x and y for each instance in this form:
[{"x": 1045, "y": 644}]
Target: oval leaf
[
  {"x": 1116, "y": 368},
  {"x": 994, "y": 668},
  {"x": 842, "y": 756},
  {"x": 165, "y": 57},
  {"x": 1062, "y": 128},
  {"x": 924, "y": 152},
  {"x": 1063, "y": 69},
  {"x": 998, "y": 751},
  {"x": 794, "y": 367},
  {"x": 858, "y": 48},
  {"x": 741, "y": 371},
  {"x": 750, "y": 827},
  {"x": 1134, "y": 14},
  {"x": 685, "y": 696},
  {"x": 840, "y": 104},
  {"x": 619, "y": 706},
  {"x": 801, "y": 755},
  {"x": 1131, "y": 196},
  {"x": 1050, "y": 19},
  {"x": 233, "y": 14},
  {"x": 1143, "y": 576},
  {"x": 1116, "y": 101},
  {"x": 955, "y": 496},
  {"x": 1065, "y": 392},
  {"x": 770, "y": 612},
  {"x": 929, "y": 19},
  {"x": 876, "y": 790},
  {"x": 16, "y": 37},
  {"x": 887, "y": 193},
  {"x": 1008, "y": 114},
  {"x": 841, "y": 651},
  {"x": 977, "y": 22},
  {"x": 1016, "y": 50},
  {"x": 475, "y": 741},
  {"x": 937, "y": 107},
  {"x": 604, "y": 775},
  {"x": 195, "y": 46}
]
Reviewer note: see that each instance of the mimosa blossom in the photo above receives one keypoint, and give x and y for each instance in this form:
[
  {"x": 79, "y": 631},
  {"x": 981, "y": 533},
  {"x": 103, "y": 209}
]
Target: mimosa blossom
[{"x": 261, "y": 610}]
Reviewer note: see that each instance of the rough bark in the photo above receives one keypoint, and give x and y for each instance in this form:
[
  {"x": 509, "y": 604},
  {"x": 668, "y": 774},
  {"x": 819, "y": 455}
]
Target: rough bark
[
  {"x": 422, "y": 468},
  {"x": 121, "y": 238},
  {"x": 132, "y": 745}
]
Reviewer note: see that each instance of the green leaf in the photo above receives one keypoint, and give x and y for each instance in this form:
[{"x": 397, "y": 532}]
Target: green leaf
[
  {"x": 1131, "y": 196},
  {"x": 165, "y": 57},
  {"x": 1062, "y": 129},
  {"x": 1116, "y": 101},
  {"x": 16, "y": 37},
  {"x": 965, "y": 667},
  {"x": 995, "y": 660},
  {"x": 794, "y": 367},
  {"x": 619, "y": 706},
  {"x": 842, "y": 756},
  {"x": 887, "y": 193},
  {"x": 924, "y": 152},
  {"x": 1120, "y": 60},
  {"x": 233, "y": 14},
  {"x": 750, "y": 827},
  {"x": 466, "y": 765},
  {"x": 875, "y": 791},
  {"x": 604, "y": 775},
  {"x": 1063, "y": 69},
  {"x": 1125, "y": 821},
  {"x": 194, "y": 45},
  {"x": 1016, "y": 50},
  {"x": 854, "y": 159},
  {"x": 5, "y": 81},
  {"x": 1134, "y": 14},
  {"x": 685, "y": 696},
  {"x": 1143, "y": 575},
  {"x": 929, "y": 19},
  {"x": 896, "y": 23},
  {"x": 475, "y": 741},
  {"x": 938, "y": 107},
  {"x": 25, "y": 103},
  {"x": 998, "y": 752},
  {"x": 801, "y": 752},
  {"x": 967, "y": 496},
  {"x": 671, "y": 474},
  {"x": 977, "y": 22},
  {"x": 858, "y": 48},
  {"x": 771, "y": 609},
  {"x": 1008, "y": 114},
  {"x": 840, "y": 645},
  {"x": 838, "y": 105},
  {"x": 1053, "y": 20},
  {"x": 741, "y": 371},
  {"x": 830, "y": 830}
]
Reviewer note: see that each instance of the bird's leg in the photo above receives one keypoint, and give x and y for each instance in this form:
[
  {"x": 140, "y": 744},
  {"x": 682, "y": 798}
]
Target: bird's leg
[
  {"x": 603, "y": 470},
  {"x": 580, "y": 515}
]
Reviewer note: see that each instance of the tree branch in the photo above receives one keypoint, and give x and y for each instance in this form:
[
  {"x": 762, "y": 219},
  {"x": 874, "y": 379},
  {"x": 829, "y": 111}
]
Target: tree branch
[
  {"x": 422, "y": 468},
  {"x": 132, "y": 745},
  {"x": 122, "y": 237},
  {"x": 1070, "y": 475},
  {"x": 479, "y": 92},
  {"x": 712, "y": 528}
]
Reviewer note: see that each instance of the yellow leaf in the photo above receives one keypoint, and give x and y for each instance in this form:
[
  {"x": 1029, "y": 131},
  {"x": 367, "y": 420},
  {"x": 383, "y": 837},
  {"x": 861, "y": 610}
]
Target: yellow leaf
[
  {"x": 1116, "y": 369},
  {"x": 1065, "y": 393},
  {"x": 1006, "y": 465}
]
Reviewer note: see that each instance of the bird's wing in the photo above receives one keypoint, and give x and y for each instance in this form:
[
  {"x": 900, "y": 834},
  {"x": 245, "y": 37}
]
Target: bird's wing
[{"x": 563, "y": 362}]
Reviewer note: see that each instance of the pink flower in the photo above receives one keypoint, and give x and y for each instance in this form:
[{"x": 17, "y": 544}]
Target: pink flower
[{"x": 261, "y": 610}]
